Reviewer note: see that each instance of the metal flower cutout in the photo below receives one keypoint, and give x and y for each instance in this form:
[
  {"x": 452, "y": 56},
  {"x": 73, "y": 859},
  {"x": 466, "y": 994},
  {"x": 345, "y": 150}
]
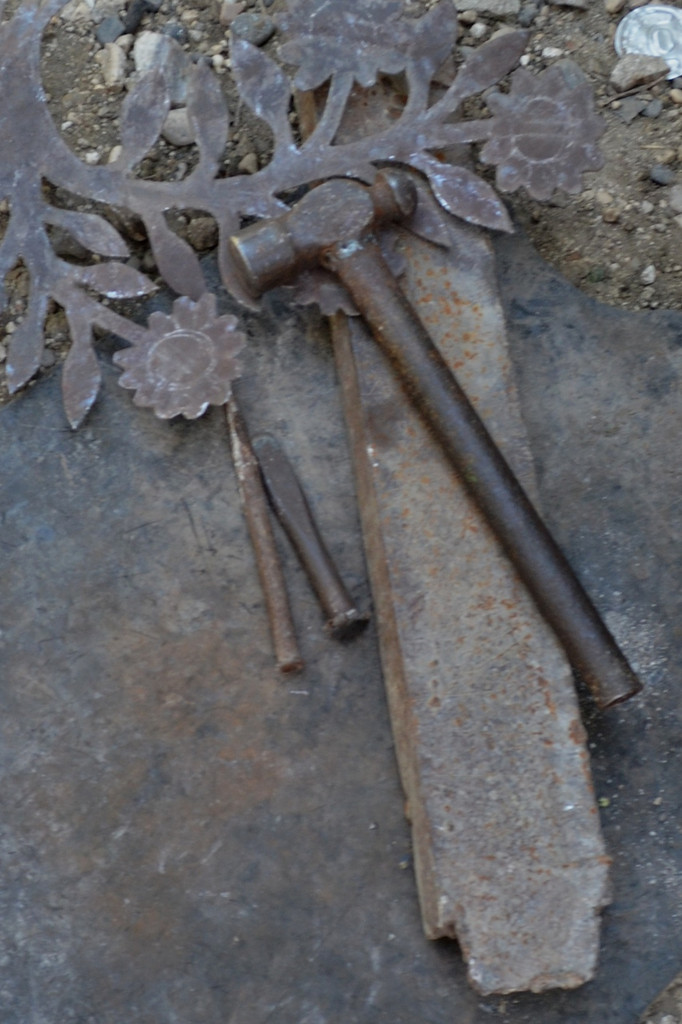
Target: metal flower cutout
[
  {"x": 544, "y": 133},
  {"x": 184, "y": 362},
  {"x": 326, "y": 37}
]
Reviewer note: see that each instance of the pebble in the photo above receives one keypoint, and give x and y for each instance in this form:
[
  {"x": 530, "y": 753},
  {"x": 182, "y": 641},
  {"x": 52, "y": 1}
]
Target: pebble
[
  {"x": 662, "y": 175},
  {"x": 479, "y": 30},
  {"x": 614, "y": 6},
  {"x": 253, "y": 28},
  {"x": 176, "y": 31},
  {"x": 109, "y": 29},
  {"x": 648, "y": 275},
  {"x": 676, "y": 96},
  {"x": 653, "y": 109},
  {"x": 580, "y": 4},
  {"x": 3, "y": 353},
  {"x": 114, "y": 153},
  {"x": 113, "y": 61},
  {"x": 177, "y": 128},
  {"x": 675, "y": 198},
  {"x": 636, "y": 69},
  {"x": 527, "y": 15},
  {"x": 134, "y": 13},
  {"x": 629, "y": 108},
  {"x": 202, "y": 233},
  {"x": 229, "y": 11},
  {"x": 498, "y": 8},
  {"x": 125, "y": 42},
  {"x": 646, "y": 207},
  {"x": 552, "y": 52},
  {"x": 467, "y": 17},
  {"x": 248, "y": 164}
]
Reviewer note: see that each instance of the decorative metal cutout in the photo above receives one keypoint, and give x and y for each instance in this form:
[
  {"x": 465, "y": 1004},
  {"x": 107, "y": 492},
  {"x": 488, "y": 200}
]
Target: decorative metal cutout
[
  {"x": 542, "y": 135},
  {"x": 185, "y": 362}
]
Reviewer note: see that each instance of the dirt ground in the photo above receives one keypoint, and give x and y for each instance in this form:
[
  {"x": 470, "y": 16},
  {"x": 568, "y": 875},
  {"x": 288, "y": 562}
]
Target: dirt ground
[{"x": 619, "y": 240}]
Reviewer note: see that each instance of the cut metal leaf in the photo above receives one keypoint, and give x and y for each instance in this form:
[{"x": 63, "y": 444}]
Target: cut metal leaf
[
  {"x": 208, "y": 115},
  {"x": 488, "y": 64},
  {"x": 90, "y": 230},
  {"x": 115, "y": 280},
  {"x": 464, "y": 194},
  {"x": 433, "y": 38},
  {"x": 175, "y": 258},
  {"x": 264, "y": 88},
  {"x": 144, "y": 111},
  {"x": 428, "y": 220},
  {"x": 81, "y": 374},
  {"x": 27, "y": 343}
]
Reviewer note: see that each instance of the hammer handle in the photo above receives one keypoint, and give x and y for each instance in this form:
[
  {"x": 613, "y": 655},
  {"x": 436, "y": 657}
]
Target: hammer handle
[{"x": 480, "y": 465}]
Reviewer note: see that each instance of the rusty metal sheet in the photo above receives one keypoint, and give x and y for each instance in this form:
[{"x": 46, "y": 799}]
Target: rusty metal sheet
[{"x": 508, "y": 850}]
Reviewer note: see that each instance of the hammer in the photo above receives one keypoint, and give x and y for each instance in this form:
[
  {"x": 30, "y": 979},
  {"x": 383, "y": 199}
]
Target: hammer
[{"x": 333, "y": 226}]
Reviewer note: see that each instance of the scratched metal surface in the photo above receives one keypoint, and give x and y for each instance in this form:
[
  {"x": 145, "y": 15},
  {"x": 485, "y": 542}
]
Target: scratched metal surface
[{"x": 182, "y": 837}]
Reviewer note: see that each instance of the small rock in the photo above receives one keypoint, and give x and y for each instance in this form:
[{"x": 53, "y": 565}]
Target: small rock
[
  {"x": 248, "y": 164},
  {"x": 176, "y": 31},
  {"x": 646, "y": 207},
  {"x": 653, "y": 109},
  {"x": 667, "y": 156},
  {"x": 48, "y": 359},
  {"x": 202, "y": 233},
  {"x": 114, "y": 154},
  {"x": 109, "y": 29},
  {"x": 113, "y": 61},
  {"x": 498, "y": 8},
  {"x": 479, "y": 30},
  {"x": 254, "y": 28},
  {"x": 629, "y": 108},
  {"x": 552, "y": 52},
  {"x": 92, "y": 156},
  {"x": 229, "y": 11},
  {"x": 3, "y": 353},
  {"x": 637, "y": 69},
  {"x": 614, "y": 6},
  {"x": 674, "y": 197},
  {"x": 603, "y": 197},
  {"x": 134, "y": 14},
  {"x": 580, "y": 4},
  {"x": 177, "y": 128},
  {"x": 467, "y": 17},
  {"x": 648, "y": 275},
  {"x": 527, "y": 15},
  {"x": 676, "y": 96},
  {"x": 662, "y": 175},
  {"x": 611, "y": 215}
]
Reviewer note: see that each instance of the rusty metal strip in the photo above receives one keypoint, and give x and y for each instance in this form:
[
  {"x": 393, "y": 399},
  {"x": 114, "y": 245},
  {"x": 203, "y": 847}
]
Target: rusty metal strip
[{"x": 508, "y": 851}]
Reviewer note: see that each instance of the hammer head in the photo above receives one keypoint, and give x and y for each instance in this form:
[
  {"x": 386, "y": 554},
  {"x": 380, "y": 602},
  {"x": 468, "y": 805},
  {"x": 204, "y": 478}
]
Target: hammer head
[{"x": 271, "y": 253}]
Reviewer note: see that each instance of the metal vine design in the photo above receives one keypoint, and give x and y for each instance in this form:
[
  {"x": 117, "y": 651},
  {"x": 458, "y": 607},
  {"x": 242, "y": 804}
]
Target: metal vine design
[{"x": 333, "y": 43}]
